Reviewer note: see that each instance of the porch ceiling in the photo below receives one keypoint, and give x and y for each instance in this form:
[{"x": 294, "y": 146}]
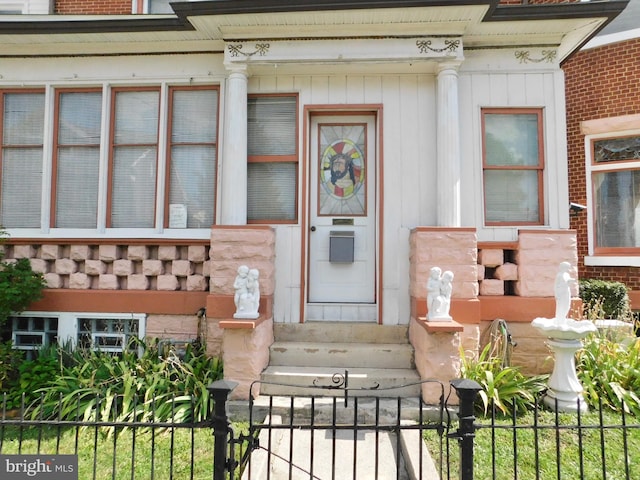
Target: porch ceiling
[{"x": 206, "y": 25}]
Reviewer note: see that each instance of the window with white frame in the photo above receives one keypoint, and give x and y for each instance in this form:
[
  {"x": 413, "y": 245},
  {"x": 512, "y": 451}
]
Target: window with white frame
[
  {"x": 513, "y": 166},
  {"x": 16, "y": 7},
  {"x": 614, "y": 173},
  {"x": 108, "y": 332},
  {"x": 21, "y": 155},
  {"x": 272, "y": 177},
  {"x": 105, "y": 166}
]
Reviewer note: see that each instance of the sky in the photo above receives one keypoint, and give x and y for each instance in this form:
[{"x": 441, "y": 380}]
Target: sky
[{"x": 629, "y": 19}]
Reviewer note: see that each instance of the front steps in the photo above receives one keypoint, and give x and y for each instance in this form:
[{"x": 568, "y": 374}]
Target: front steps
[{"x": 375, "y": 357}]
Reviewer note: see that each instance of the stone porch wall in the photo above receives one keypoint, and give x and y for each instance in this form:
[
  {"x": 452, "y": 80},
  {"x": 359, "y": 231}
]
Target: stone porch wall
[
  {"x": 244, "y": 343},
  {"x": 117, "y": 266},
  {"x": 523, "y": 270}
]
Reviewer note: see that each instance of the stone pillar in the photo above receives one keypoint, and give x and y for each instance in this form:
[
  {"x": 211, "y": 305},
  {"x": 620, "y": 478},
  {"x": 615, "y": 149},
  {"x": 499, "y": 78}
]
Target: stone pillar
[
  {"x": 244, "y": 342},
  {"x": 233, "y": 209},
  {"x": 448, "y": 146},
  {"x": 538, "y": 256}
]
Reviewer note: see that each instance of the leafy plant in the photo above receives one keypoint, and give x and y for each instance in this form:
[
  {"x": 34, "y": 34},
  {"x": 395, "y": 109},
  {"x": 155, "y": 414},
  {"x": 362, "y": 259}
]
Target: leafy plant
[
  {"x": 610, "y": 373},
  {"x": 604, "y": 299},
  {"x": 505, "y": 387},
  {"x": 9, "y": 361},
  {"x": 101, "y": 386},
  {"x": 32, "y": 375},
  {"x": 19, "y": 287}
]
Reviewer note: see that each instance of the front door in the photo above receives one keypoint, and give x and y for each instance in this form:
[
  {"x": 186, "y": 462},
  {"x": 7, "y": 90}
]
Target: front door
[{"x": 342, "y": 216}]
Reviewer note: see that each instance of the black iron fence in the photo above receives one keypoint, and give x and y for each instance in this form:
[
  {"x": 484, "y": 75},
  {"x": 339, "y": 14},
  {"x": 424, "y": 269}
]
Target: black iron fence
[{"x": 340, "y": 433}]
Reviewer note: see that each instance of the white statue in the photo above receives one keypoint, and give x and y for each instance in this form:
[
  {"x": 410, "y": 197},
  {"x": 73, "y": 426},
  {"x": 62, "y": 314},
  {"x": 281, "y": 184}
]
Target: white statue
[
  {"x": 247, "y": 296},
  {"x": 562, "y": 290},
  {"x": 439, "y": 289}
]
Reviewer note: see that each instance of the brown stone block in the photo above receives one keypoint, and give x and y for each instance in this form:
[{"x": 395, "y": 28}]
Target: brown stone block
[
  {"x": 491, "y": 257},
  {"x": 53, "y": 280},
  {"x": 167, "y": 252},
  {"x": 544, "y": 240},
  {"x": 137, "y": 252},
  {"x": 79, "y": 253},
  {"x": 24, "y": 251},
  {"x": 152, "y": 268},
  {"x": 197, "y": 253},
  {"x": 197, "y": 283},
  {"x": 507, "y": 271},
  {"x": 50, "y": 252},
  {"x": 108, "y": 281},
  {"x": 492, "y": 287},
  {"x": 79, "y": 281},
  {"x": 168, "y": 282},
  {"x": 94, "y": 267},
  {"x": 181, "y": 268},
  {"x": 137, "y": 282},
  {"x": 39, "y": 265},
  {"x": 108, "y": 253},
  {"x": 122, "y": 268},
  {"x": 65, "y": 266}
]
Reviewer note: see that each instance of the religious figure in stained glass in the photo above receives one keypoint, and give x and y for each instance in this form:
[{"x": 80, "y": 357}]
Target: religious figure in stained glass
[{"x": 342, "y": 170}]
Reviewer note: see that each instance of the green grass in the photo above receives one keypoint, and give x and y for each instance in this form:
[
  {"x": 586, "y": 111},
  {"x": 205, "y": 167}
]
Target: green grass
[
  {"x": 127, "y": 455},
  {"x": 549, "y": 442}
]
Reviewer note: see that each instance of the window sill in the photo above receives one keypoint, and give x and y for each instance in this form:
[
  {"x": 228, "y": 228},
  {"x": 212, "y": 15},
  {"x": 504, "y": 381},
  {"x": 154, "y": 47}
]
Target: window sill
[{"x": 612, "y": 261}]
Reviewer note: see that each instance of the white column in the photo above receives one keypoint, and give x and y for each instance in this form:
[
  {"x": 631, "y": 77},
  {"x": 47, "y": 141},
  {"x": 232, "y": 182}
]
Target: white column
[
  {"x": 448, "y": 146},
  {"x": 233, "y": 198}
]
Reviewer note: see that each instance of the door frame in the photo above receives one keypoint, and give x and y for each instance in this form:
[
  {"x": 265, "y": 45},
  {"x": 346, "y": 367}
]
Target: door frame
[{"x": 310, "y": 111}]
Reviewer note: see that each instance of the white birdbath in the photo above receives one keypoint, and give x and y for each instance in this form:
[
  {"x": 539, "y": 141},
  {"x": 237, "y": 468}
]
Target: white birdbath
[
  {"x": 565, "y": 335},
  {"x": 565, "y": 389}
]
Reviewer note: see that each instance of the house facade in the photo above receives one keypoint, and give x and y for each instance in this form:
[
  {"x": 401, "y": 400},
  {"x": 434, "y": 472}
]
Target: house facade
[
  {"x": 343, "y": 150},
  {"x": 603, "y": 122}
]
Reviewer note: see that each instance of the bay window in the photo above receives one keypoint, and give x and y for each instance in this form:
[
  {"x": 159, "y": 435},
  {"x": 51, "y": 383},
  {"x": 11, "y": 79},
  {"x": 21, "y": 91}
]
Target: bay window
[
  {"x": 113, "y": 162},
  {"x": 272, "y": 173},
  {"x": 513, "y": 166}
]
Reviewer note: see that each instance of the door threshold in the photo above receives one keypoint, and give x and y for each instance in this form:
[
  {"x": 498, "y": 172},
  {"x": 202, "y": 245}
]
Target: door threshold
[{"x": 343, "y": 312}]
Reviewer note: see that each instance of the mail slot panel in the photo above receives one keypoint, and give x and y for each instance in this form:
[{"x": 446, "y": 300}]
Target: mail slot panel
[{"x": 341, "y": 246}]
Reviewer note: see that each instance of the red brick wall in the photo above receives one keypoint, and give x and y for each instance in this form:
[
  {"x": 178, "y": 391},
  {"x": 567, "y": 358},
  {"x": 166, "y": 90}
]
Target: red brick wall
[
  {"x": 600, "y": 83},
  {"x": 93, "y": 7}
]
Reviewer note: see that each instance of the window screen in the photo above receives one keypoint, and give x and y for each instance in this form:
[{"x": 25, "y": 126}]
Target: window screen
[
  {"x": 134, "y": 162},
  {"x": 22, "y": 140},
  {"x": 272, "y": 150}
]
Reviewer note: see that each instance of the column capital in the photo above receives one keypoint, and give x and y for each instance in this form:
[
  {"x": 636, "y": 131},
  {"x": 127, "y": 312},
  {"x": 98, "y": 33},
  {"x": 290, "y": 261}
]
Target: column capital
[
  {"x": 238, "y": 68},
  {"x": 448, "y": 65}
]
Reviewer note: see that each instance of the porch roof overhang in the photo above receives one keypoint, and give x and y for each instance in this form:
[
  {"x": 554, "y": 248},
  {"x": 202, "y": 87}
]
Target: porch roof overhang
[{"x": 205, "y": 26}]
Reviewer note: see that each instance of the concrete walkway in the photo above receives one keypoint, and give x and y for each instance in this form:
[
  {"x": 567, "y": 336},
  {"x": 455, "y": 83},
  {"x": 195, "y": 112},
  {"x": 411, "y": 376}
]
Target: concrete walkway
[{"x": 344, "y": 453}]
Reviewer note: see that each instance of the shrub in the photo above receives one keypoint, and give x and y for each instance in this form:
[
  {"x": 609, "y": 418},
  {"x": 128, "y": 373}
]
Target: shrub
[
  {"x": 506, "y": 388},
  {"x": 98, "y": 385},
  {"x": 19, "y": 287},
  {"x": 31, "y": 376},
  {"x": 604, "y": 299},
  {"x": 9, "y": 361},
  {"x": 610, "y": 373}
]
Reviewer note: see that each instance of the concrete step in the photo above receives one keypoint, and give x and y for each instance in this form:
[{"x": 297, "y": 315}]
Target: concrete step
[
  {"x": 369, "y": 382},
  {"x": 339, "y": 332},
  {"x": 342, "y": 355}
]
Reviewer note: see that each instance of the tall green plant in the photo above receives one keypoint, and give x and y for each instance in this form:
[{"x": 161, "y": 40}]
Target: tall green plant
[
  {"x": 506, "y": 388},
  {"x": 101, "y": 386},
  {"x": 610, "y": 373}
]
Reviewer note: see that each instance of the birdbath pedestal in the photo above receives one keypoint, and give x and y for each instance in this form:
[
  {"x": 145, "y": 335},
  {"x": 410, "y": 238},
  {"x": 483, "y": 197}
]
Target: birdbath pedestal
[{"x": 564, "y": 338}]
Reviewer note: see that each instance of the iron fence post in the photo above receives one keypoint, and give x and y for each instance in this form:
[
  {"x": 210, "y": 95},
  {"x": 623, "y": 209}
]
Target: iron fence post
[
  {"x": 220, "y": 390},
  {"x": 467, "y": 390}
]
